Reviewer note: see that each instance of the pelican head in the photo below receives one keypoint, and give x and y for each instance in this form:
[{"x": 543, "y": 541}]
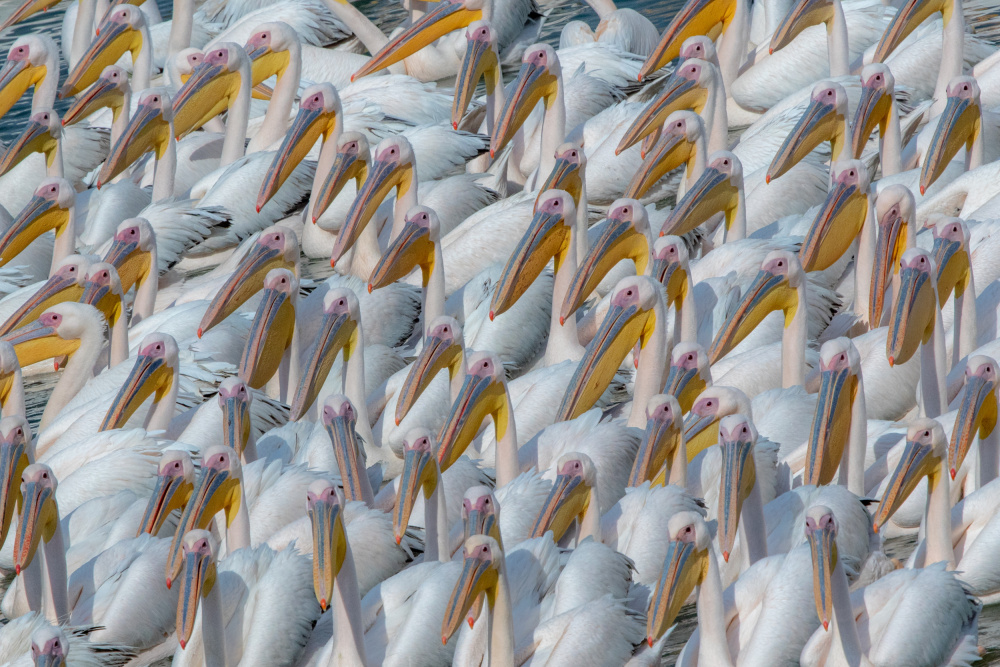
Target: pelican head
[
  {"x": 925, "y": 451},
  {"x": 443, "y": 349},
  {"x": 39, "y": 513},
  {"x": 111, "y": 91},
  {"x": 447, "y": 16},
  {"x": 774, "y": 288},
  {"x": 977, "y": 411},
  {"x": 537, "y": 80},
  {"x": 687, "y": 90},
  {"x": 696, "y": 17},
  {"x": 270, "y": 49},
  {"x": 959, "y": 125},
  {"x": 235, "y": 400},
  {"x": 26, "y": 66},
  {"x": 701, "y": 428},
  {"x": 481, "y": 61},
  {"x": 41, "y": 134},
  {"x": 393, "y": 167},
  {"x": 339, "y": 420},
  {"x": 663, "y": 435},
  {"x": 185, "y": 62},
  {"x": 675, "y": 147},
  {"x": 483, "y": 394},
  {"x": 412, "y": 248},
  {"x": 914, "y": 309},
  {"x": 218, "y": 489},
  {"x": 65, "y": 284},
  {"x": 420, "y": 474},
  {"x": 102, "y": 289},
  {"x": 149, "y": 129},
  {"x": 120, "y": 31},
  {"x": 840, "y": 370},
  {"x": 825, "y": 119},
  {"x": 684, "y": 569},
  {"x": 906, "y": 20},
  {"x": 152, "y": 375},
  {"x": 133, "y": 252},
  {"x": 671, "y": 268},
  {"x": 737, "y": 437},
  {"x": 324, "y": 506},
  {"x": 49, "y": 209},
  {"x": 951, "y": 257},
  {"x": 689, "y": 375},
  {"x": 877, "y": 89},
  {"x": 482, "y": 567},
  {"x": 212, "y": 88},
  {"x": 804, "y": 14},
  {"x": 276, "y": 247},
  {"x": 481, "y": 513},
  {"x": 548, "y": 237},
  {"x": 49, "y": 646},
  {"x": 569, "y": 497},
  {"x": 568, "y": 172},
  {"x": 838, "y": 221},
  {"x": 318, "y": 116},
  {"x": 716, "y": 191},
  {"x": 199, "y": 550},
  {"x": 15, "y": 444},
  {"x": 894, "y": 211},
  {"x": 339, "y": 331},
  {"x": 631, "y": 319},
  {"x": 174, "y": 483},
  {"x": 271, "y": 330},
  {"x": 351, "y": 162},
  {"x": 624, "y": 236},
  {"x": 57, "y": 332},
  {"x": 821, "y": 534}
]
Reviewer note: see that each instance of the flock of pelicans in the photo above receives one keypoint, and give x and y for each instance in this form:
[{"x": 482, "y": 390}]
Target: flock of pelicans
[{"x": 446, "y": 452}]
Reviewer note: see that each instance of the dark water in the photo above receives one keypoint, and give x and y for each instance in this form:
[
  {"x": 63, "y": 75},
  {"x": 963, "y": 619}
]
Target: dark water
[{"x": 388, "y": 13}]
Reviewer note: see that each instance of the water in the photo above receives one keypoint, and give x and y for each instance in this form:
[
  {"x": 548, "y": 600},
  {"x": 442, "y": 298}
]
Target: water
[{"x": 389, "y": 13}]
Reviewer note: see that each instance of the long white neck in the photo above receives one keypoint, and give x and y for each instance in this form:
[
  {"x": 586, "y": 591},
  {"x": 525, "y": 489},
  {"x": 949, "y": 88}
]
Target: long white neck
[
  {"x": 891, "y": 143},
  {"x": 932, "y": 374},
  {"x": 366, "y": 252},
  {"x": 678, "y": 466},
  {"x": 121, "y": 122},
  {"x": 852, "y": 462},
  {"x": 404, "y": 202},
  {"x": 848, "y": 642},
  {"x": 31, "y": 581},
  {"x": 952, "y": 56},
  {"x": 564, "y": 343},
  {"x": 213, "y": 629},
  {"x": 162, "y": 411},
  {"x": 55, "y": 169},
  {"x": 652, "y": 366},
  {"x": 733, "y": 44},
  {"x": 164, "y": 170},
  {"x": 694, "y": 166},
  {"x": 57, "y": 607},
  {"x": 500, "y": 624},
  {"x": 793, "y": 343},
  {"x": 354, "y": 389},
  {"x": 279, "y": 109},
  {"x": 582, "y": 222},
  {"x": 974, "y": 156},
  {"x": 506, "y": 452},
  {"x": 78, "y": 371},
  {"x": 713, "y": 649},
  {"x": 737, "y": 231},
  {"x": 180, "y": 27},
  {"x": 553, "y": 133},
  {"x": 688, "y": 330},
  {"x": 753, "y": 529},
  {"x": 590, "y": 524},
  {"x": 346, "y": 605},
  {"x": 142, "y": 65},
  {"x": 14, "y": 405},
  {"x": 434, "y": 291},
  {"x": 715, "y": 116},
  {"x": 44, "y": 96},
  {"x": 864, "y": 265},
  {"x": 437, "y": 547},
  {"x": 837, "y": 42},
  {"x": 238, "y": 534},
  {"x": 236, "y": 125},
  {"x": 119, "y": 340},
  {"x": 65, "y": 244},
  {"x": 965, "y": 327},
  {"x": 83, "y": 30},
  {"x": 937, "y": 520},
  {"x": 327, "y": 156},
  {"x": 145, "y": 292}
]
